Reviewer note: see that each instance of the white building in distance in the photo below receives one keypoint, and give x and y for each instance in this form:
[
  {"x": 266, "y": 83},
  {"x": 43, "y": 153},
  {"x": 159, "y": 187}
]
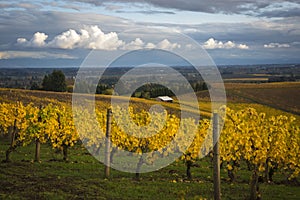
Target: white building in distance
[{"x": 164, "y": 99}]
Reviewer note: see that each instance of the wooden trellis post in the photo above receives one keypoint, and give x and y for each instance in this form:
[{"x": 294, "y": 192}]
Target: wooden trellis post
[
  {"x": 216, "y": 160},
  {"x": 107, "y": 144}
]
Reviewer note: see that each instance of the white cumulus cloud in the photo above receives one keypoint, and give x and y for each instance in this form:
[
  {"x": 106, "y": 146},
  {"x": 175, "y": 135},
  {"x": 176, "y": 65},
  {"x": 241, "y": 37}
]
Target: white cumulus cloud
[
  {"x": 134, "y": 45},
  {"x": 66, "y": 40},
  {"x": 38, "y": 40},
  {"x": 167, "y": 45},
  {"x": 96, "y": 39},
  {"x": 138, "y": 43},
  {"x": 150, "y": 45},
  {"x": 243, "y": 46},
  {"x": 212, "y": 43},
  {"x": 92, "y": 37},
  {"x": 276, "y": 45}
]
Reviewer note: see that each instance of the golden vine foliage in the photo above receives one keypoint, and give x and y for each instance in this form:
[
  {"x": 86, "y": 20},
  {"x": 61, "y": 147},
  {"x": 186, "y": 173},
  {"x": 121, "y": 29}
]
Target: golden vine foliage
[
  {"x": 200, "y": 144},
  {"x": 139, "y": 133},
  {"x": 6, "y": 117},
  {"x": 247, "y": 135},
  {"x": 32, "y": 123},
  {"x": 251, "y": 136},
  {"x": 41, "y": 123},
  {"x": 64, "y": 132},
  {"x": 14, "y": 116}
]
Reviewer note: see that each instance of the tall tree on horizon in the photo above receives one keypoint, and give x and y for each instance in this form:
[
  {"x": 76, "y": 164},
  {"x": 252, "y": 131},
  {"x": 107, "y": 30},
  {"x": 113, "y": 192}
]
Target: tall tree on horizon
[{"x": 56, "y": 81}]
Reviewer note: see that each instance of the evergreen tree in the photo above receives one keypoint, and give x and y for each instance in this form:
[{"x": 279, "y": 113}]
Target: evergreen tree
[{"x": 56, "y": 81}]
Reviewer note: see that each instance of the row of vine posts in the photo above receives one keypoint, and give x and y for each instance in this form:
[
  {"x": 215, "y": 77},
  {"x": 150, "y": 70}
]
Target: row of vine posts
[{"x": 216, "y": 153}]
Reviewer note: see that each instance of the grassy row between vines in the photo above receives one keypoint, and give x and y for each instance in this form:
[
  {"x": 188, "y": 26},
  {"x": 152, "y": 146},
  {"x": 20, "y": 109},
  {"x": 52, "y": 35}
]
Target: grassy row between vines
[{"x": 82, "y": 177}]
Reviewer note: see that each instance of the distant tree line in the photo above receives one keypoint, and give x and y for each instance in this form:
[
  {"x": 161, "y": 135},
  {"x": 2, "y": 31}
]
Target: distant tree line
[
  {"x": 152, "y": 90},
  {"x": 104, "y": 89},
  {"x": 56, "y": 81},
  {"x": 199, "y": 86},
  {"x": 147, "y": 91},
  {"x": 291, "y": 78}
]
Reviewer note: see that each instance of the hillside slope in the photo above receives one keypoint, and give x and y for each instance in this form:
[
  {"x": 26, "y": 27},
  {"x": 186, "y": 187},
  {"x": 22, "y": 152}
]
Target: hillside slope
[{"x": 283, "y": 96}]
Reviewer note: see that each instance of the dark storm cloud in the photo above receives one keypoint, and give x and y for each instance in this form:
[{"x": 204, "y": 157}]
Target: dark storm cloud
[
  {"x": 249, "y": 7},
  {"x": 260, "y": 8},
  {"x": 26, "y": 6},
  {"x": 293, "y": 12}
]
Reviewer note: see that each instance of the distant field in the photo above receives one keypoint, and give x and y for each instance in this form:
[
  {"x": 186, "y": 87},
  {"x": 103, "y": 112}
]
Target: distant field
[
  {"x": 282, "y": 96},
  {"x": 245, "y": 79}
]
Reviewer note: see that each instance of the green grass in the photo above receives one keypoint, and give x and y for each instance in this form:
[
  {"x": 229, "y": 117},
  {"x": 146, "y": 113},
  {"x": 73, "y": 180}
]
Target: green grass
[{"x": 83, "y": 178}]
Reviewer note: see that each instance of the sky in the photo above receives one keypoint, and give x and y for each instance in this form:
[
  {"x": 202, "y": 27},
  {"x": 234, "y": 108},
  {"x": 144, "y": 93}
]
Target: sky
[{"x": 51, "y": 33}]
